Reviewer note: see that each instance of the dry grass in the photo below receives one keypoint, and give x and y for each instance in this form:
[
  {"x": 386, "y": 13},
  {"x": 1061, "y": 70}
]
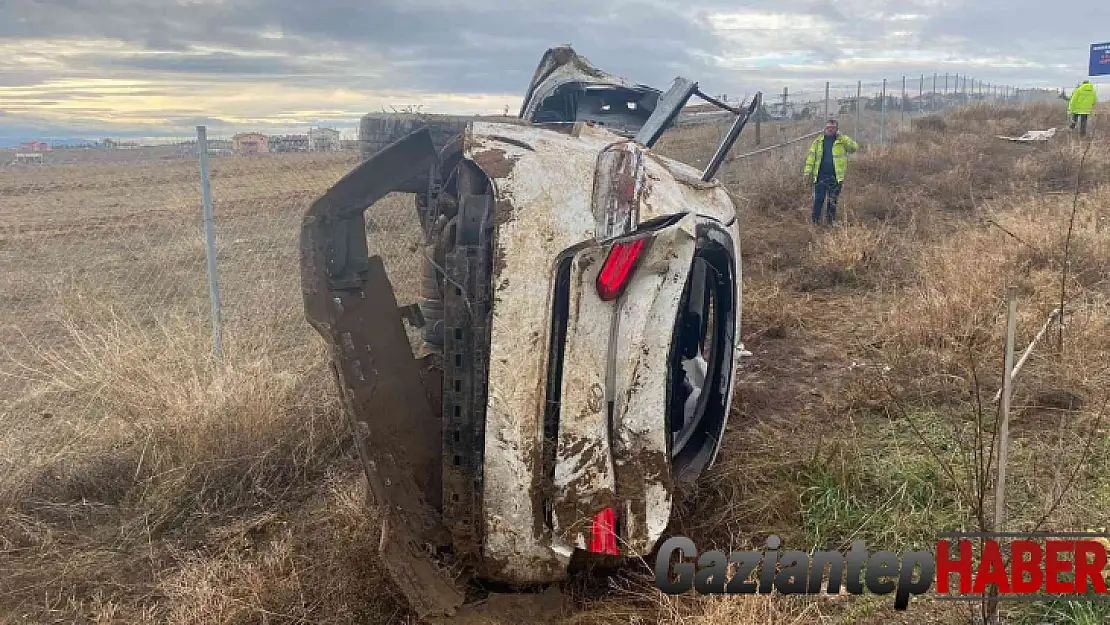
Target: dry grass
[{"x": 143, "y": 483}]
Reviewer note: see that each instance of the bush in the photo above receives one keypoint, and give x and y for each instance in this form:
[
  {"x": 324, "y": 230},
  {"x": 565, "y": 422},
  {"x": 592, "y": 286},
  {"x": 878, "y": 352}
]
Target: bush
[{"x": 930, "y": 123}]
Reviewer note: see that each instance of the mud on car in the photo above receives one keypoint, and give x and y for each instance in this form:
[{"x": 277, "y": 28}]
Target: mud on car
[{"x": 579, "y": 326}]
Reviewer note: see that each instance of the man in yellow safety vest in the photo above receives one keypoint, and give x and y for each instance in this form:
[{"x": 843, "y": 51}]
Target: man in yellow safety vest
[
  {"x": 825, "y": 165},
  {"x": 1081, "y": 105}
]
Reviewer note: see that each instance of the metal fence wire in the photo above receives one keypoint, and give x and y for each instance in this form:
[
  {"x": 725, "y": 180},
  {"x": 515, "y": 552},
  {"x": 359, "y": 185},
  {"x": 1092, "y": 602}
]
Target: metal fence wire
[{"x": 123, "y": 229}]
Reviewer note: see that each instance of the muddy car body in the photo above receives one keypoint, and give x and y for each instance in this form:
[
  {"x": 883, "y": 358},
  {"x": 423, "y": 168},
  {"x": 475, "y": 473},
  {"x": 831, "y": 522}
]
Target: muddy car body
[
  {"x": 581, "y": 313},
  {"x": 568, "y": 88}
]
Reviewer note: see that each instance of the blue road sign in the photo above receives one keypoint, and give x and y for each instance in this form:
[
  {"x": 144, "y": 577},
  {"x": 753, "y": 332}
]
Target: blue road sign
[{"x": 1100, "y": 59}]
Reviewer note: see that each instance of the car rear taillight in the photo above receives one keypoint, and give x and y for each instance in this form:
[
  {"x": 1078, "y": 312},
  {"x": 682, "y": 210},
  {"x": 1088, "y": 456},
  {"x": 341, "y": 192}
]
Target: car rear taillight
[
  {"x": 618, "y": 268},
  {"x": 603, "y": 533},
  {"x": 618, "y": 185}
]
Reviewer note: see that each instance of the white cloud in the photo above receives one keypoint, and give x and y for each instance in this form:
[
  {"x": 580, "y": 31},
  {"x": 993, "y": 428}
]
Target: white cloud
[
  {"x": 767, "y": 22},
  {"x": 152, "y": 64}
]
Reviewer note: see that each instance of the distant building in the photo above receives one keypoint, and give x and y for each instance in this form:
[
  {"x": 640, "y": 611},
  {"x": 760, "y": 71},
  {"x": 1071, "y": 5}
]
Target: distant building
[
  {"x": 250, "y": 143},
  {"x": 323, "y": 140},
  {"x": 34, "y": 146},
  {"x": 32, "y": 158},
  {"x": 289, "y": 143}
]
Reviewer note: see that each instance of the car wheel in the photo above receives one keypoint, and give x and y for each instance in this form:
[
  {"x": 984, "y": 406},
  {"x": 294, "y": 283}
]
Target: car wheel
[{"x": 701, "y": 361}]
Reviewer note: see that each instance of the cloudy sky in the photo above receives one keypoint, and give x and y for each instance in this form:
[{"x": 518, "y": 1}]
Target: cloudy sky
[{"x": 73, "y": 68}]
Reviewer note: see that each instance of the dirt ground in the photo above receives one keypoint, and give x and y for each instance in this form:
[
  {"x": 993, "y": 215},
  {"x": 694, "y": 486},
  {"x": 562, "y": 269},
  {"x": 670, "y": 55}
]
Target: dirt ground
[{"x": 144, "y": 483}]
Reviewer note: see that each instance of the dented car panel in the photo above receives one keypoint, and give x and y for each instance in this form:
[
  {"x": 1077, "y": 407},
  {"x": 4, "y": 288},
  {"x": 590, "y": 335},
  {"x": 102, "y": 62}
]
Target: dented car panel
[
  {"x": 641, "y": 349},
  {"x": 567, "y": 88},
  {"x": 542, "y": 183},
  {"x": 617, "y": 356},
  {"x": 675, "y": 188},
  {"x": 584, "y": 477},
  {"x": 616, "y": 352}
]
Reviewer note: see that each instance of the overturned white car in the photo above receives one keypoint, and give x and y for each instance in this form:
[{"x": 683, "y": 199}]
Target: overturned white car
[{"x": 581, "y": 312}]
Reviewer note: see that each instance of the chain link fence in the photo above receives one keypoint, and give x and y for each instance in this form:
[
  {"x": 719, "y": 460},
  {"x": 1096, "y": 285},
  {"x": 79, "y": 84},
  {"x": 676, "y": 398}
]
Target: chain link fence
[
  {"x": 772, "y": 148},
  {"x": 97, "y": 241},
  {"x": 873, "y": 111},
  {"x": 116, "y": 233}
]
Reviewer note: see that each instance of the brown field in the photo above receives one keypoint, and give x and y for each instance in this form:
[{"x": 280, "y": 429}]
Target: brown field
[
  {"x": 143, "y": 483},
  {"x": 76, "y": 156}
]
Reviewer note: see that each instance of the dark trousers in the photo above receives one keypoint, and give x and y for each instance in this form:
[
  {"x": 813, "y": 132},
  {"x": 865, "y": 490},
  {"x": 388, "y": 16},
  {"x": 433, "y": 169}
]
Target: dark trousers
[
  {"x": 1082, "y": 119},
  {"x": 825, "y": 188}
]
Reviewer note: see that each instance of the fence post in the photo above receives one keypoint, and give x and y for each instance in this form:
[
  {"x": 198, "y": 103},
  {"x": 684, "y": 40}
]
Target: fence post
[
  {"x": 210, "y": 242},
  {"x": 1003, "y": 437},
  {"x": 826, "y": 100},
  {"x": 882, "y": 117},
  {"x": 902, "y": 107},
  {"x": 758, "y": 121},
  {"x": 1004, "y": 409},
  {"x": 933, "y": 100},
  {"x": 859, "y": 105}
]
